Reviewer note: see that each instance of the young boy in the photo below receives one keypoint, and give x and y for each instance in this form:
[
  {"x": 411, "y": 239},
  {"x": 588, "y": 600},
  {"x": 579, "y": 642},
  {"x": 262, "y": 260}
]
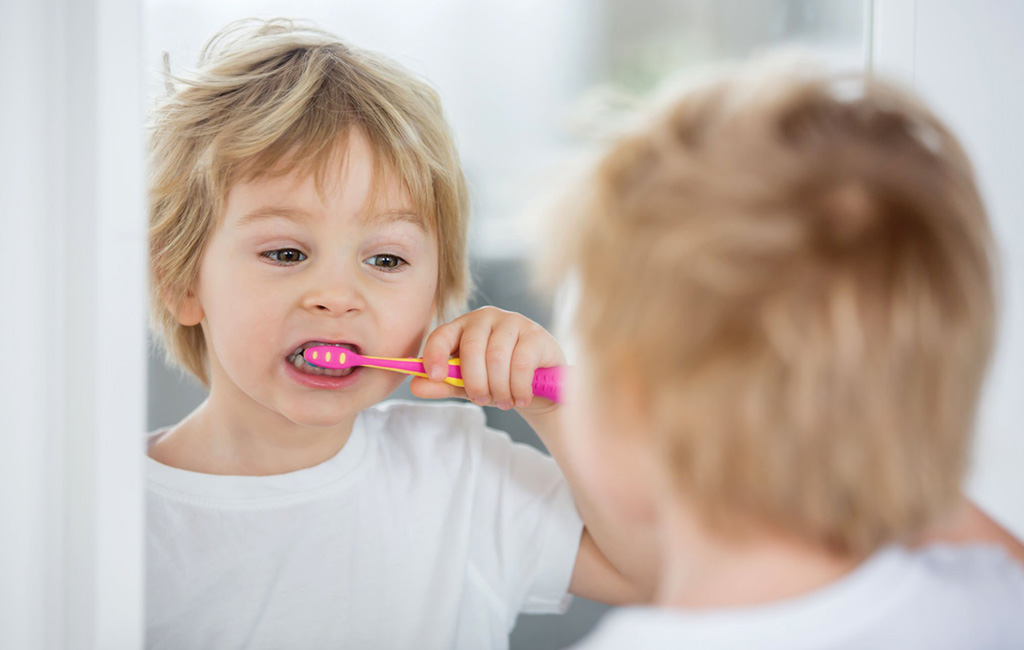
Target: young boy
[
  {"x": 785, "y": 315},
  {"x": 305, "y": 192}
]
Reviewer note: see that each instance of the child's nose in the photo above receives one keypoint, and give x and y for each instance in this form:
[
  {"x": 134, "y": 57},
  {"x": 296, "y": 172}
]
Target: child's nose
[{"x": 335, "y": 292}]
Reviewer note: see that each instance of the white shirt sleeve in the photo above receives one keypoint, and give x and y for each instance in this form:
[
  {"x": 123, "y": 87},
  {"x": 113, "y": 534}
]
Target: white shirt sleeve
[{"x": 526, "y": 528}]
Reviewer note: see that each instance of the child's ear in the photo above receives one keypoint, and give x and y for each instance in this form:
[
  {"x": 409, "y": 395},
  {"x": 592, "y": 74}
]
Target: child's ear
[{"x": 189, "y": 310}]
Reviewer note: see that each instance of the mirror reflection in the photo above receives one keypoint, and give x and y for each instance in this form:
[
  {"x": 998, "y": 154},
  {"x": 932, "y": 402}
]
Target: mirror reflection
[{"x": 287, "y": 499}]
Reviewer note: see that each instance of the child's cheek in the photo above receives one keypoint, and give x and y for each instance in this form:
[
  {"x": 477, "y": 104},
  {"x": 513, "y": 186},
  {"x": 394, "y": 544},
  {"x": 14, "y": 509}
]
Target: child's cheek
[
  {"x": 251, "y": 312},
  {"x": 415, "y": 318}
]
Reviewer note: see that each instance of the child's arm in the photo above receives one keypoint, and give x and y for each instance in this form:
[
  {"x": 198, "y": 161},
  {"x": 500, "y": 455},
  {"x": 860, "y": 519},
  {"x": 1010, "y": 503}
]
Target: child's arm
[
  {"x": 499, "y": 352},
  {"x": 614, "y": 566}
]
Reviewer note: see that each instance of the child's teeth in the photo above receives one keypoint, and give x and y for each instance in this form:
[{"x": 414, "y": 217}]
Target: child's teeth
[{"x": 308, "y": 368}]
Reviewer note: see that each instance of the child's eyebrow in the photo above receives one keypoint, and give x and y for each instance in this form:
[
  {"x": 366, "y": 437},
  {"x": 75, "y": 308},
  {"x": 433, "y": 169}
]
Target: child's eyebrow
[
  {"x": 391, "y": 216},
  {"x": 299, "y": 215},
  {"x": 271, "y": 212}
]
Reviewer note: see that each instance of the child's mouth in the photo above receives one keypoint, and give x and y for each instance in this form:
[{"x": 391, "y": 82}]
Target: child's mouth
[
  {"x": 318, "y": 379},
  {"x": 300, "y": 363}
]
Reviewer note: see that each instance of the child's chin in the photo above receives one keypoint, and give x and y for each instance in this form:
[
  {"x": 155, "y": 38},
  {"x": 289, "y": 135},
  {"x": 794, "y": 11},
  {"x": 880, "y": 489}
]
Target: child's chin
[
  {"x": 324, "y": 415},
  {"x": 336, "y": 410}
]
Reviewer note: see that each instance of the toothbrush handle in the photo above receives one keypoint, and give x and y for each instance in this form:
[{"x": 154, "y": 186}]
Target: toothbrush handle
[
  {"x": 414, "y": 367},
  {"x": 547, "y": 383}
]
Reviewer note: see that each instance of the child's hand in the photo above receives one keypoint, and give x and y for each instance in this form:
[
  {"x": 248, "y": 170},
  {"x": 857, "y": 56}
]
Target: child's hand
[{"x": 499, "y": 352}]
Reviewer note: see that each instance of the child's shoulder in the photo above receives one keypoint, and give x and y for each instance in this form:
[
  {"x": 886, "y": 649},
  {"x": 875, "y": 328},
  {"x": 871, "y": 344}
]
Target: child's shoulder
[{"x": 980, "y": 568}]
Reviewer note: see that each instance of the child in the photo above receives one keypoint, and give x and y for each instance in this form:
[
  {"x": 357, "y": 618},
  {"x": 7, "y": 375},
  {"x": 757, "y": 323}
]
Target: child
[
  {"x": 303, "y": 192},
  {"x": 786, "y": 310}
]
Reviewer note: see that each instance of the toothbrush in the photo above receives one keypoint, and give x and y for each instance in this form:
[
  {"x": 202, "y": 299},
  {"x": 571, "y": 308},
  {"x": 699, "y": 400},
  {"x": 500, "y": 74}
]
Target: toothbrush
[{"x": 547, "y": 382}]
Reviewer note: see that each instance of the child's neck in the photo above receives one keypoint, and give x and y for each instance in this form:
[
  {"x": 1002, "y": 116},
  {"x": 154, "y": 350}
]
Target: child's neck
[
  {"x": 211, "y": 442},
  {"x": 704, "y": 570}
]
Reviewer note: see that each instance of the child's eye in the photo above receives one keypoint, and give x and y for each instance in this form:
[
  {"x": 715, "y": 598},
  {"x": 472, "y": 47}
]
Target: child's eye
[
  {"x": 385, "y": 262},
  {"x": 285, "y": 256}
]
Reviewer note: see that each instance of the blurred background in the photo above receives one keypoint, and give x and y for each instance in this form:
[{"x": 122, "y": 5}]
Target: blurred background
[{"x": 513, "y": 77}]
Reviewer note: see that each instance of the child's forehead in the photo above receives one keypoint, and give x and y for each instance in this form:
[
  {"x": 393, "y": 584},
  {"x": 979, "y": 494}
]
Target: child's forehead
[{"x": 350, "y": 173}]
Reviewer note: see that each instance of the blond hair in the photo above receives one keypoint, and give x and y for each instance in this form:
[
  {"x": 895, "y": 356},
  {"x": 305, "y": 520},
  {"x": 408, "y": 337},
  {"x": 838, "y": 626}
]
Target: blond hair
[
  {"x": 797, "y": 269},
  {"x": 269, "y": 98}
]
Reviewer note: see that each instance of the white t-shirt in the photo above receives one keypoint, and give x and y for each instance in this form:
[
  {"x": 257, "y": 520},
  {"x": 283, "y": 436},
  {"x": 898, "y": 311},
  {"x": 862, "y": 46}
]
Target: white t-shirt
[
  {"x": 427, "y": 530},
  {"x": 937, "y": 598}
]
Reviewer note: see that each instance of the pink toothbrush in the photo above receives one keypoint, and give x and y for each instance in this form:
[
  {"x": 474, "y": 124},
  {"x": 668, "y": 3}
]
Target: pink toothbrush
[{"x": 547, "y": 382}]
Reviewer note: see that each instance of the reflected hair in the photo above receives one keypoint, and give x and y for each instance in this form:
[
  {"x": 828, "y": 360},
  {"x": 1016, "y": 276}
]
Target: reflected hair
[{"x": 797, "y": 269}]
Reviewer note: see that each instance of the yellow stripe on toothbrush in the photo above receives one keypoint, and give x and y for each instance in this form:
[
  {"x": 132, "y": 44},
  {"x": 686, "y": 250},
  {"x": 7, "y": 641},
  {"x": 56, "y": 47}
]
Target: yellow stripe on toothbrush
[
  {"x": 454, "y": 381},
  {"x": 451, "y": 362},
  {"x": 398, "y": 370}
]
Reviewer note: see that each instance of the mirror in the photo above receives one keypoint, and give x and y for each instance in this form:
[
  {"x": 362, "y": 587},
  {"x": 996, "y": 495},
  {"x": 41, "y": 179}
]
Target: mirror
[{"x": 511, "y": 77}]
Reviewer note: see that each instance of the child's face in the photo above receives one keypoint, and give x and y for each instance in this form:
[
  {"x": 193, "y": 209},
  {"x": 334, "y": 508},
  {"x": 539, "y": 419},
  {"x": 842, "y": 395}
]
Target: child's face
[{"x": 284, "y": 268}]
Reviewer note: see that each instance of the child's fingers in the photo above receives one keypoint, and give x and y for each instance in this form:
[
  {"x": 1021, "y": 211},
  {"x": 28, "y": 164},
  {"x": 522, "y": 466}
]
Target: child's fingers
[
  {"x": 439, "y": 347},
  {"x": 499, "y": 358},
  {"x": 525, "y": 360},
  {"x": 472, "y": 358}
]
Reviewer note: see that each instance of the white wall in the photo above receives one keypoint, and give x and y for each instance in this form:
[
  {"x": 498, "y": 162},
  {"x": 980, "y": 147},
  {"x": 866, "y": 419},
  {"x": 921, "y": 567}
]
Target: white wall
[
  {"x": 72, "y": 337},
  {"x": 966, "y": 57}
]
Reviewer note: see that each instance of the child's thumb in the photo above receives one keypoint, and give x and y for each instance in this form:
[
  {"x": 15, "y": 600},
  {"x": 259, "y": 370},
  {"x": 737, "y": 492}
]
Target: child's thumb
[{"x": 426, "y": 389}]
